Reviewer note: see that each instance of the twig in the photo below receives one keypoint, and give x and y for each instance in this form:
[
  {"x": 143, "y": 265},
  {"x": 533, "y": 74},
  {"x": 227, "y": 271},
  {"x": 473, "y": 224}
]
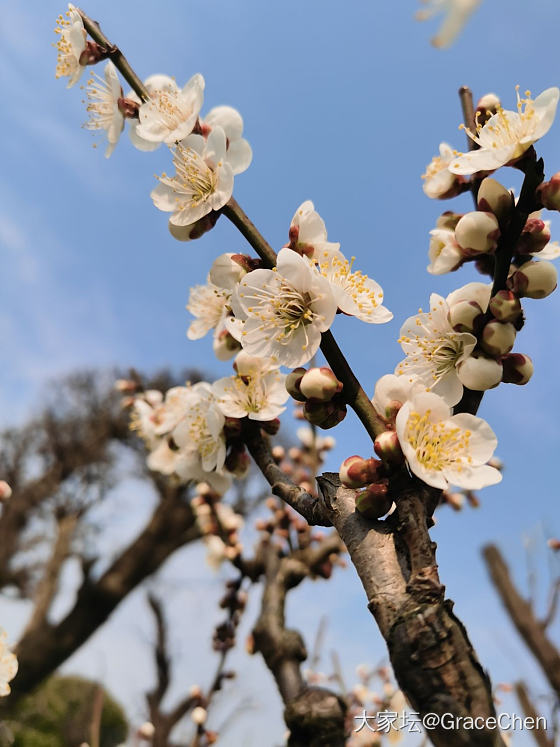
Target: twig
[{"x": 538, "y": 733}]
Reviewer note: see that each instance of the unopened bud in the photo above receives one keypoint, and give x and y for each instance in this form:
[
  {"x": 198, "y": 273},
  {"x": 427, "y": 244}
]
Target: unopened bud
[
  {"x": 271, "y": 426},
  {"x": 534, "y": 279},
  {"x": 388, "y": 448},
  {"x": 5, "y": 490},
  {"x": 126, "y": 385},
  {"x": 534, "y": 237},
  {"x": 199, "y": 715},
  {"x": 455, "y": 500},
  {"x": 505, "y": 306},
  {"x": 479, "y": 373},
  {"x": 238, "y": 462},
  {"x": 495, "y": 198},
  {"x": 228, "y": 269},
  {"x": 373, "y": 502},
  {"x": 477, "y": 233},
  {"x": 194, "y": 230},
  {"x": 486, "y": 107},
  {"x": 554, "y": 544},
  {"x": 325, "y": 414},
  {"x": 195, "y": 691},
  {"x": 465, "y": 316},
  {"x": 518, "y": 368},
  {"x": 147, "y": 730},
  {"x": 549, "y": 193},
  {"x": 128, "y": 108},
  {"x": 355, "y": 472},
  {"x": 293, "y": 381},
  {"x": 448, "y": 220},
  {"x": 498, "y": 338},
  {"x": 320, "y": 384},
  {"x": 278, "y": 453}
]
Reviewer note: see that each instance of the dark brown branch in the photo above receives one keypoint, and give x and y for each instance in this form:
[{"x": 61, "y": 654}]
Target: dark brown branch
[
  {"x": 41, "y": 651},
  {"x": 523, "y": 617},
  {"x": 552, "y": 605},
  {"x": 300, "y": 500},
  {"x": 433, "y": 660},
  {"x": 314, "y": 715},
  {"x": 538, "y": 733}
]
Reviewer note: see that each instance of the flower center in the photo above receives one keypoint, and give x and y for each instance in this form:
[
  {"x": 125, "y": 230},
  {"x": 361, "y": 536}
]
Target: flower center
[
  {"x": 338, "y": 271},
  {"x": 437, "y": 445},
  {"x": 101, "y": 104},
  {"x": 67, "y": 63},
  {"x": 164, "y": 105},
  {"x": 503, "y": 127},
  {"x": 194, "y": 178},
  {"x": 440, "y": 352}
]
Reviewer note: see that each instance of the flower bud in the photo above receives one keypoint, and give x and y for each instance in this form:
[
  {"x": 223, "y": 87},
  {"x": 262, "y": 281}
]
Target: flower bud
[
  {"x": 232, "y": 427},
  {"x": 388, "y": 448},
  {"x": 448, "y": 220},
  {"x": 194, "y": 230},
  {"x": 325, "y": 414},
  {"x": 455, "y": 500},
  {"x": 5, "y": 490},
  {"x": 465, "y": 316},
  {"x": 147, "y": 730},
  {"x": 238, "y": 462},
  {"x": 505, "y": 306},
  {"x": 293, "y": 381},
  {"x": 477, "y": 233},
  {"x": 270, "y": 426},
  {"x": 486, "y": 107},
  {"x": 495, "y": 198},
  {"x": 534, "y": 237},
  {"x": 498, "y": 338},
  {"x": 549, "y": 193},
  {"x": 554, "y": 544},
  {"x": 534, "y": 279},
  {"x": 125, "y": 385},
  {"x": 355, "y": 472},
  {"x": 479, "y": 373},
  {"x": 373, "y": 502},
  {"x": 320, "y": 384},
  {"x": 518, "y": 368},
  {"x": 199, "y": 715}
]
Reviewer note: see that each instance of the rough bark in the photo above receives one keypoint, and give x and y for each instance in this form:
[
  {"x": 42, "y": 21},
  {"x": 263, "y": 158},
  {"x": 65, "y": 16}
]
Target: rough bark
[
  {"x": 433, "y": 660},
  {"x": 314, "y": 715},
  {"x": 521, "y": 612}
]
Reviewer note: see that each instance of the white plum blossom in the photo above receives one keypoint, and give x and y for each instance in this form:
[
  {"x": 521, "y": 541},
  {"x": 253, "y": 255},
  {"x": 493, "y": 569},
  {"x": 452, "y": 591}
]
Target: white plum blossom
[
  {"x": 439, "y": 182},
  {"x": 70, "y": 45},
  {"x": 356, "y": 294},
  {"x": 434, "y": 349},
  {"x": 391, "y": 389},
  {"x": 457, "y": 13},
  {"x": 203, "y": 180},
  {"x": 284, "y": 311},
  {"x": 238, "y": 153},
  {"x": 444, "y": 252},
  {"x": 257, "y": 391},
  {"x": 170, "y": 113},
  {"x": 209, "y": 304},
  {"x": 507, "y": 134},
  {"x": 308, "y": 234},
  {"x": 443, "y": 449},
  {"x": 103, "y": 106},
  {"x": 199, "y": 433},
  {"x": 8, "y": 665},
  {"x": 143, "y": 418}
]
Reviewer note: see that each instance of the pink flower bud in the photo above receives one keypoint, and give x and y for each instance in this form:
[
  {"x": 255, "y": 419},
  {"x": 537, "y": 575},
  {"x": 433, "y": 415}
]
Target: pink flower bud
[
  {"x": 549, "y": 193},
  {"x": 388, "y": 448},
  {"x": 486, "y": 107},
  {"x": 374, "y": 502},
  {"x": 505, "y": 306},
  {"x": 495, "y": 198},
  {"x": 355, "y": 472},
  {"x": 293, "y": 381},
  {"x": 498, "y": 338},
  {"x": 479, "y": 372},
  {"x": 271, "y": 426},
  {"x": 325, "y": 414},
  {"x": 477, "y": 233},
  {"x": 5, "y": 490},
  {"x": 465, "y": 316},
  {"x": 534, "y": 237},
  {"x": 518, "y": 368},
  {"x": 320, "y": 384},
  {"x": 534, "y": 279},
  {"x": 448, "y": 220}
]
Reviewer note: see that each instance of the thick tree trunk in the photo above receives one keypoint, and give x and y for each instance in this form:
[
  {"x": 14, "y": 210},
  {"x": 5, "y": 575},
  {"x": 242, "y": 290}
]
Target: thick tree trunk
[{"x": 433, "y": 660}]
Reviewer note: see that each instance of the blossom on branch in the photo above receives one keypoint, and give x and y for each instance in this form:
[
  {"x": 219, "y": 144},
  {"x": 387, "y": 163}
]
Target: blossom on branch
[
  {"x": 444, "y": 253},
  {"x": 203, "y": 180},
  {"x": 439, "y": 182},
  {"x": 70, "y": 45},
  {"x": 282, "y": 312},
  {"x": 238, "y": 151},
  {"x": 308, "y": 233},
  {"x": 434, "y": 349},
  {"x": 257, "y": 391},
  {"x": 443, "y": 449},
  {"x": 506, "y": 135},
  {"x": 103, "y": 106},
  {"x": 170, "y": 113}
]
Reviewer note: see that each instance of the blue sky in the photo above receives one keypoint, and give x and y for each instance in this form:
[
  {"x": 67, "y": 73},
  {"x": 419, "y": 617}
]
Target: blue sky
[{"x": 344, "y": 105}]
